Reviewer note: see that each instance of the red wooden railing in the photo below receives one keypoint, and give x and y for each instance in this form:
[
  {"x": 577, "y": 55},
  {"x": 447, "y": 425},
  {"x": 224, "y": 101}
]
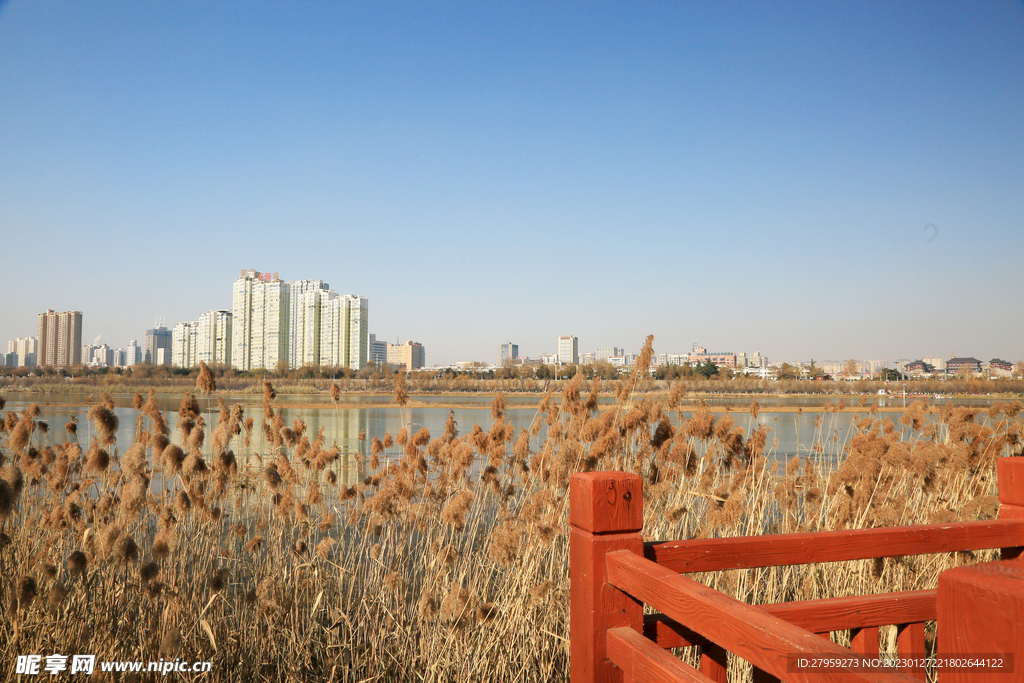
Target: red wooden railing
[{"x": 979, "y": 608}]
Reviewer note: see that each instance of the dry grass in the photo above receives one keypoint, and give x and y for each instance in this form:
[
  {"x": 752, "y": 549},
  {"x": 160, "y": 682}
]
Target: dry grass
[{"x": 448, "y": 557}]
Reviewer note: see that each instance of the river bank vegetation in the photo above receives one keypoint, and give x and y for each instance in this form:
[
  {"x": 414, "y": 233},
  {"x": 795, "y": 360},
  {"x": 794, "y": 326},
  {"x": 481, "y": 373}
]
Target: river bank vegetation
[
  {"x": 234, "y": 538},
  {"x": 320, "y": 380}
]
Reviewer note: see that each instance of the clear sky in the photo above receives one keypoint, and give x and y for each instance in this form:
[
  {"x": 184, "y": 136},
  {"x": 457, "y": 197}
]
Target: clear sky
[{"x": 826, "y": 180}]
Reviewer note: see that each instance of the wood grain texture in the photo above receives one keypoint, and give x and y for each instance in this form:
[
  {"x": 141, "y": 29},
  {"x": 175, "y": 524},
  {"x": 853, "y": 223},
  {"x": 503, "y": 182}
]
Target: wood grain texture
[
  {"x": 1011, "y": 480},
  {"x": 981, "y": 611},
  {"x": 606, "y": 502},
  {"x": 706, "y": 555},
  {"x": 760, "y": 638},
  {"x": 819, "y": 616},
  {"x": 642, "y": 660}
]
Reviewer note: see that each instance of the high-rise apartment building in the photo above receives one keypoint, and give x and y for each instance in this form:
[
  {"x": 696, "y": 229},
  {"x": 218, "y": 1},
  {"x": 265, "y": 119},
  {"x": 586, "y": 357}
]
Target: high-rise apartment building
[
  {"x": 508, "y": 353},
  {"x": 410, "y": 354},
  {"x": 207, "y": 339},
  {"x": 344, "y": 331},
  {"x": 25, "y": 348},
  {"x": 132, "y": 354},
  {"x": 305, "y": 297},
  {"x": 606, "y": 352},
  {"x": 568, "y": 350},
  {"x": 60, "y": 338},
  {"x": 159, "y": 342},
  {"x": 307, "y": 334},
  {"x": 260, "y": 310},
  {"x": 213, "y": 337},
  {"x": 183, "y": 344}
]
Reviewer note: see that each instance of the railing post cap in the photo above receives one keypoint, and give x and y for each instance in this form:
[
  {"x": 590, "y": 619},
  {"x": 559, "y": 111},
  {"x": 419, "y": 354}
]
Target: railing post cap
[
  {"x": 1005, "y": 574},
  {"x": 606, "y": 502}
]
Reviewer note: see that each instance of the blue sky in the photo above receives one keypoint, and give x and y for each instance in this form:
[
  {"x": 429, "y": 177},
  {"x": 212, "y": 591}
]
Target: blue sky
[{"x": 755, "y": 177}]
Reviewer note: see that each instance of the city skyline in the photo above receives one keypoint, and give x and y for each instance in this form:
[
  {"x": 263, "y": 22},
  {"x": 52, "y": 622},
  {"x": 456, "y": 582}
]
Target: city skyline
[{"x": 807, "y": 181}]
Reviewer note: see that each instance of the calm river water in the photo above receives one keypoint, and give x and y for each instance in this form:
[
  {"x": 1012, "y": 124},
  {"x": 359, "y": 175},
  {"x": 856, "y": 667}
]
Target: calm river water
[{"x": 796, "y": 433}]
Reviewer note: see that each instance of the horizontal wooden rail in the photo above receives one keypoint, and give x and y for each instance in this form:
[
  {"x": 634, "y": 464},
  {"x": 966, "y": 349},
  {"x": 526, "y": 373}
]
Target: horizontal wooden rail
[
  {"x": 818, "y": 616},
  {"x": 642, "y": 660},
  {"x": 762, "y": 639},
  {"x": 743, "y": 552}
]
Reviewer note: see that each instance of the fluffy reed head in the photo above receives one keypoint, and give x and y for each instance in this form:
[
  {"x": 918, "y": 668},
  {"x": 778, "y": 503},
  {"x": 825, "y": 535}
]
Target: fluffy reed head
[{"x": 205, "y": 383}]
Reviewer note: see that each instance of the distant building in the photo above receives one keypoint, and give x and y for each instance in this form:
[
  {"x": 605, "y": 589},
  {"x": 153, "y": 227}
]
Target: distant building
[
  {"x": 345, "y": 331},
  {"x": 132, "y": 354},
  {"x": 919, "y": 367},
  {"x": 260, "y": 307},
  {"x": 410, "y": 354},
  {"x": 305, "y": 301},
  {"x": 606, "y": 352},
  {"x": 1001, "y": 364},
  {"x": 568, "y": 350},
  {"x": 213, "y": 338},
  {"x": 754, "y": 361},
  {"x": 970, "y": 364},
  {"x": 723, "y": 359},
  {"x": 159, "y": 342},
  {"x": 184, "y": 339},
  {"x": 875, "y": 366},
  {"x": 508, "y": 353},
  {"x": 60, "y": 338},
  {"x": 938, "y": 362},
  {"x": 378, "y": 350},
  {"x": 25, "y": 348}
]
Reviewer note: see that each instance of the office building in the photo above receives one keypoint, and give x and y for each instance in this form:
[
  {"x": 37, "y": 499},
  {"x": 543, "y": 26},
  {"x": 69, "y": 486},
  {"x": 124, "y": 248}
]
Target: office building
[
  {"x": 159, "y": 342},
  {"x": 723, "y": 359},
  {"x": 508, "y": 353},
  {"x": 60, "y": 338},
  {"x": 606, "y": 352},
  {"x": 410, "y": 355},
  {"x": 260, "y": 310},
  {"x": 568, "y": 350},
  {"x": 378, "y": 350}
]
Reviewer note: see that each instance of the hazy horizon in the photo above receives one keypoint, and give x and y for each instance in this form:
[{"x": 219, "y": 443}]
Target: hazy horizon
[{"x": 806, "y": 180}]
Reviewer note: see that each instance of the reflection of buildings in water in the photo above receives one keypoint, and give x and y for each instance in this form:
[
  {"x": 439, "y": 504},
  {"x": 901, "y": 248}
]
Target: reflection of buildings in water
[
  {"x": 341, "y": 428},
  {"x": 349, "y": 469}
]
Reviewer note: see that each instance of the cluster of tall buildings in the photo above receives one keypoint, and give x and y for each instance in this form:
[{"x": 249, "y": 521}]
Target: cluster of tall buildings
[
  {"x": 272, "y": 324},
  {"x": 275, "y": 324},
  {"x": 58, "y": 343}
]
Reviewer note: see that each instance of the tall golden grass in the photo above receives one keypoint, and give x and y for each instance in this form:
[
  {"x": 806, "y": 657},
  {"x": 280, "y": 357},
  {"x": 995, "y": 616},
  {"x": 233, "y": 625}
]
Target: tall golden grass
[{"x": 250, "y": 546}]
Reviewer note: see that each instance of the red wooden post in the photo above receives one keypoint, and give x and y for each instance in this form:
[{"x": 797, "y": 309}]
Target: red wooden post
[
  {"x": 714, "y": 663},
  {"x": 864, "y": 641},
  {"x": 607, "y": 513},
  {"x": 910, "y": 646},
  {"x": 980, "y": 613},
  {"x": 1011, "y": 495}
]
